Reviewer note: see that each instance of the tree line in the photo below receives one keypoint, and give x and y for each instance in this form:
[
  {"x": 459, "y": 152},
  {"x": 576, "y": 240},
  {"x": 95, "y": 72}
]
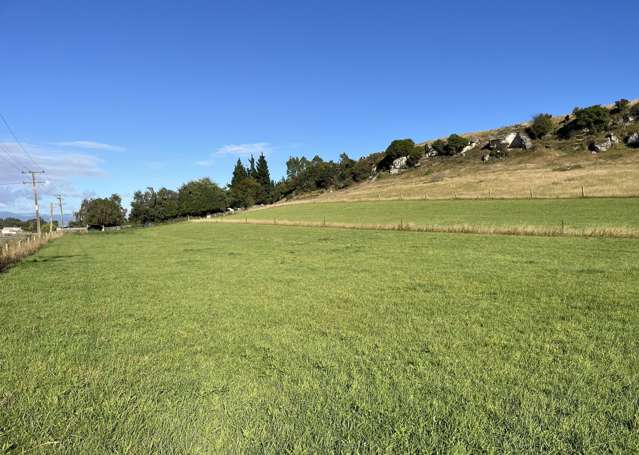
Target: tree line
[{"x": 251, "y": 184}]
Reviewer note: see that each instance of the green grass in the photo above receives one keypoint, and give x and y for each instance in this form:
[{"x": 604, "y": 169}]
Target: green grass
[
  {"x": 196, "y": 338},
  {"x": 578, "y": 213}
]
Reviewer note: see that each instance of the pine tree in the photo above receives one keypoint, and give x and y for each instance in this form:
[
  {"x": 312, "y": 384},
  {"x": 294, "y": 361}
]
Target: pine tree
[
  {"x": 263, "y": 177},
  {"x": 251, "y": 169},
  {"x": 239, "y": 173}
]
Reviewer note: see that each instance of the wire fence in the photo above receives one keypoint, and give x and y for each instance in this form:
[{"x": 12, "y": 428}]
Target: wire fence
[{"x": 13, "y": 252}]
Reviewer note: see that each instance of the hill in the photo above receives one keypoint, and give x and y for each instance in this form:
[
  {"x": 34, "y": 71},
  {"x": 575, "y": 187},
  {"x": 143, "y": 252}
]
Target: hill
[{"x": 563, "y": 163}]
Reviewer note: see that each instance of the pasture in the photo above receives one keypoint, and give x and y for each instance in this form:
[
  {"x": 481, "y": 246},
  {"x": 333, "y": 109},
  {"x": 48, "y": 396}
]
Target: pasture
[
  {"x": 206, "y": 338},
  {"x": 577, "y": 213}
]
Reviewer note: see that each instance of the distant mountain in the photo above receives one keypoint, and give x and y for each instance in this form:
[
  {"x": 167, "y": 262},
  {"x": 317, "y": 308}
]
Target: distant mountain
[
  {"x": 20, "y": 216},
  {"x": 30, "y": 216}
]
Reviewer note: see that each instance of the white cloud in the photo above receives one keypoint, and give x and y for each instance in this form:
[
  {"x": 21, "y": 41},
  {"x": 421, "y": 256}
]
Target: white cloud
[
  {"x": 91, "y": 145},
  {"x": 238, "y": 150},
  {"x": 60, "y": 167}
]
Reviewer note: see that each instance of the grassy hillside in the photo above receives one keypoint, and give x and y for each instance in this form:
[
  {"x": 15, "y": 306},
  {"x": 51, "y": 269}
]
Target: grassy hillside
[
  {"x": 578, "y": 213},
  {"x": 547, "y": 173},
  {"x": 559, "y": 164},
  {"x": 207, "y": 338}
]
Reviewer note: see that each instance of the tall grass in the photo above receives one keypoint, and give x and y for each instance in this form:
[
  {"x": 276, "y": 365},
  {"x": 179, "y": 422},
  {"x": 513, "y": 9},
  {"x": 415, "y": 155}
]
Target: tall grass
[
  {"x": 11, "y": 253},
  {"x": 541, "y": 231}
]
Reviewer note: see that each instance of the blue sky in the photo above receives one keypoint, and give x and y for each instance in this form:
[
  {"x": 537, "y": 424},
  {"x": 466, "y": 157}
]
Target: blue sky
[{"x": 119, "y": 95}]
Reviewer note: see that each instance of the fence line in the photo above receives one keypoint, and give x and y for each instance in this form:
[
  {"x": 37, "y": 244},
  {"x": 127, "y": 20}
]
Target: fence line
[
  {"x": 561, "y": 230},
  {"x": 10, "y": 253}
]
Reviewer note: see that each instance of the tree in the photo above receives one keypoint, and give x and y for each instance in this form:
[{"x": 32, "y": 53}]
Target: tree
[
  {"x": 542, "y": 124},
  {"x": 244, "y": 193},
  {"x": 396, "y": 149},
  {"x": 102, "y": 212},
  {"x": 363, "y": 168},
  {"x": 151, "y": 206},
  {"x": 415, "y": 155},
  {"x": 344, "y": 175},
  {"x": 593, "y": 119},
  {"x": 263, "y": 178},
  {"x": 439, "y": 146},
  {"x": 200, "y": 197},
  {"x": 621, "y": 106},
  {"x": 239, "y": 173},
  {"x": 251, "y": 171},
  {"x": 455, "y": 144}
]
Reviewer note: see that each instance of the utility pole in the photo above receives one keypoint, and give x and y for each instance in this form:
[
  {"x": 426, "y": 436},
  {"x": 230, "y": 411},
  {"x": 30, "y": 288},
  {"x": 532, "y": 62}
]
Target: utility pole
[
  {"x": 59, "y": 198},
  {"x": 51, "y": 219},
  {"x": 34, "y": 184}
]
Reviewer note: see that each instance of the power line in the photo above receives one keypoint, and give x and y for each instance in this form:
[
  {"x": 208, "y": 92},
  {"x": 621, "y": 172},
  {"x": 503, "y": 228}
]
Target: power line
[
  {"x": 34, "y": 184},
  {"x": 13, "y": 161},
  {"x": 60, "y": 199},
  {"x": 4, "y": 120}
]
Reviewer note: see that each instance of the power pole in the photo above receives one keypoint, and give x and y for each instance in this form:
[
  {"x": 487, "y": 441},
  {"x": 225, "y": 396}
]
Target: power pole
[
  {"x": 51, "y": 219},
  {"x": 59, "y": 197},
  {"x": 34, "y": 184}
]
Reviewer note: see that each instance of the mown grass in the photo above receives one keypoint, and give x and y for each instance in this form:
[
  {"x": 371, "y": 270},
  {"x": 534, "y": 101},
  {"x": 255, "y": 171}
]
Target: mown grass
[
  {"x": 202, "y": 338},
  {"x": 576, "y": 213}
]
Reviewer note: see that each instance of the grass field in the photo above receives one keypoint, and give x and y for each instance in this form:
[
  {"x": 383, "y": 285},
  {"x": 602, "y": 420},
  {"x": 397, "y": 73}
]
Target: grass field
[
  {"x": 548, "y": 173},
  {"x": 201, "y": 338},
  {"x": 579, "y": 213}
]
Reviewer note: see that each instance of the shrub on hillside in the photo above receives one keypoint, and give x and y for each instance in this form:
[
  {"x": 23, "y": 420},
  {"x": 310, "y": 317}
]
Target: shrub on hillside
[
  {"x": 455, "y": 144},
  {"x": 439, "y": 146},
  {"x": 396, "y": 149},
  {"x": 542, "y": 124},
  {"x": 415, "y": 155},
  {"x": 594, "y": 119},
  {"x": 621, "y": 106}
]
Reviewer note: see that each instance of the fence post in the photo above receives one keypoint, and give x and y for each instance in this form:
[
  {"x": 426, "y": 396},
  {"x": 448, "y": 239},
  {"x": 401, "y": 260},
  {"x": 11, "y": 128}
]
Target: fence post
[
  {"x": 582, "y": 191},
  {"x": 324, "y": 221},
  {"x": 563, "y": 227}
]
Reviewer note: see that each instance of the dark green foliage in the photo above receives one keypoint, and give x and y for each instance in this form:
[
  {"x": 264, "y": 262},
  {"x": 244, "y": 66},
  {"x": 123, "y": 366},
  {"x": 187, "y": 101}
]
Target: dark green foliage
[
  {"x": 201, "y": 197},
  {"x": 362, "y": 169},
  {"x": 251, "y": 171},
  {"x": 542, "y": 125},
  {"x": 415, "y": 155},
  {"x": 455, "y": 144},
  {"x": 101, "y": 212},
  {"x": 250, "y": 185},
  {"x": 344, "y": 176},
  {"x": 594, "y": 119},
  {"x": 634, "y": 110},
  {"x": 29, "y": 225},
  {"x": 452, "y": 146},
  {"x": 621, "y": 106},
  {"x": 239, "y": 173},
  {"x": 304, "y": 175},
  {"x": 244, "y": 193},
  {"x": 439, "y": 146},
  {"x": 151, "y": 206},
  {"x": 396, "y": 149},
  {"x": 263, "y": 178}
]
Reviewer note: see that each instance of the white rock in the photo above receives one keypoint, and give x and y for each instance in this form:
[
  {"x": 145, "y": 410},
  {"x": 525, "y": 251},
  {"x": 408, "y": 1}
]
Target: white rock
[
  {"x": 633, "y": 140},
  {"x": 399, "y": 164}
]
